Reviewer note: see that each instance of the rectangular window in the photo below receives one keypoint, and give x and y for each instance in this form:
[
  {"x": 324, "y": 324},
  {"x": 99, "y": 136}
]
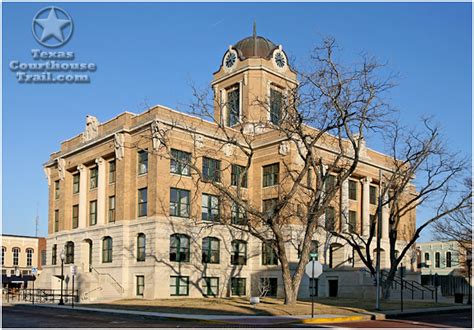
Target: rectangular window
[
  {"x": 238, "y": 286},
  {"x": 112, "y": 171},
  {"x": 179, "y": 285},
  {"x": 92, "y": 213},
  {"x": 352, "y": 221},
  {"x": 330, "y": 218},
  {"x": 16, "y": 256},
  {"x": 210, "y": 208},
  {"x": 56, "y": 190},
  {"x": 233, "y": 106},
  {"x": 353, "y": 190},
  {"x": 29, "y": 257},
  {"x": 54, "y": 252},
  {"x": 211, "y": 169},
  {"x": 43, "y": 257},
  {"x": 76, "y": 183},
  {"x": 269, "y": 256},
  {"x": 180, "y": 161},
  {"x": 210, "y": 286},
  {"x": 210, "y": 250},
  {"x": 142, "y": 202},
  {"x": 56, "y": 221},
  {"x": 276, "y": 106},
  {"x": 238, "y": 178},
  {"x": 142, "y": 162},
  {"x": 330, "y": 182},
  {"x": 140, "y": 285},
  {"x": 239, "y": 253},
  {"x": 94, "y": 178},
  {"x": 75, "y": 216},
  {"x": 111, "y": 209},
  {"x": 239, "y": 215},
  {"x": 3, "y": 255},
  {"x": 179, "y": 203},
  {"x": 271, "y": 175},
  {"x": 268, "y": 286},
  {"x": 313, "y": 287},
  {"x": 373, "y": 195},
  {"x": 269, "y": 206}
]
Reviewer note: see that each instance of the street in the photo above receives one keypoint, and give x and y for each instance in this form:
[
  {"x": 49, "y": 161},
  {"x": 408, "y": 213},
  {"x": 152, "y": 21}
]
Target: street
[{"x": 36, "y": 317}]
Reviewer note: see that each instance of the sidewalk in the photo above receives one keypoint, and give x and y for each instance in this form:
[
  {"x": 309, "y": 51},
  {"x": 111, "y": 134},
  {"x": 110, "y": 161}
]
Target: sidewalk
[{"x": 235, "y": 319}]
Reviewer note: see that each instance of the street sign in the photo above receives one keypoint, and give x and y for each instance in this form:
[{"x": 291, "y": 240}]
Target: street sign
[
  {"x": 34, "y": 271},
  {"x": 73, "y": 270},
  {"x": 318, "y": 269},
  {"x": 313, "y": 255}
]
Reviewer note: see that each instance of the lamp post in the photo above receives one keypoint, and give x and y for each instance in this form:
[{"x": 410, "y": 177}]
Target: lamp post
[
  {"x": 469, "y": 264},
  {"x": 63, "y": 256}
]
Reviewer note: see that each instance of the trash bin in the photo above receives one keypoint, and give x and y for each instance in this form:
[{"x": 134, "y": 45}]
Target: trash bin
[{"x": 458, "y": 298}]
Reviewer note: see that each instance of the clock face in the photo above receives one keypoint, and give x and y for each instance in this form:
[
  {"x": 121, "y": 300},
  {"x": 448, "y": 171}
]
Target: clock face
[
  {"x": 280, "y": 59},
  {"x": 230, "y": 59}
]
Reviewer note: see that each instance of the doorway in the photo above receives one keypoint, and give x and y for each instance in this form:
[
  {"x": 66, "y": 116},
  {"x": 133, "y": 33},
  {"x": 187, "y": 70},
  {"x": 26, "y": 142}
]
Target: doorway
[{"x": 333, "y": 286}]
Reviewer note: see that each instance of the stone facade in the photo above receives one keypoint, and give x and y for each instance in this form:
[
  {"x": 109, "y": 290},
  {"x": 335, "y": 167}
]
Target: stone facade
[
  {"x": 96, "y": 195},
  {"x": 22, "y": 253}
]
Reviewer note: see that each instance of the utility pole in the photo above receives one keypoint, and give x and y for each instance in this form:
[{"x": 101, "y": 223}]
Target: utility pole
[{"x": 379, "y": 232}]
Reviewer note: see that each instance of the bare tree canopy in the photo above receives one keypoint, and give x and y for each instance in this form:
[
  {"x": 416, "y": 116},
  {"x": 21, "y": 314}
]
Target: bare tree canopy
[{"x": 321, "y": 130}]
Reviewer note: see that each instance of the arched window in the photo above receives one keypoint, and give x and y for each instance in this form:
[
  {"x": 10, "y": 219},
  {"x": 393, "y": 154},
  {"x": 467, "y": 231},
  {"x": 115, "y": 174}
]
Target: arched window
[
  {"x": 107, "y": 249},
  {"x": 16, "y": 255},
  {"x": 448, "y": 259},
  {"x": 141, "y": 247},
  {"x": 4, "y": 249},
  {"x": 29, "y": 257},
  {"x": 239, "y": 253},
  {"x": 437, "y": 260},
  {"x": 210, "y": 250},
  {"x": 69, "y": 253},
  {"x": 427, "y": 259},
  {"x": 179, "y": 248}
]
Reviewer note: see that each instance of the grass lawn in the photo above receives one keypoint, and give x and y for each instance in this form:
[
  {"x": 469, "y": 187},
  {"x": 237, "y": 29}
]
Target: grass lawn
[{"x": 267, "y": 306}]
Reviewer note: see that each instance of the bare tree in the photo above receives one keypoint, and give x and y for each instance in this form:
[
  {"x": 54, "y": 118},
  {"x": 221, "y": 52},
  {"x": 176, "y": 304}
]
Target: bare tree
[
  {"x": 322, "y": 129},
  {"x": 419, "y": 159}
]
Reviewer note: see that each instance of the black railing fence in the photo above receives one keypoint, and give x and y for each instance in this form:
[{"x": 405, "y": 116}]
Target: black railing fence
[{"x": 41, "y": 296}]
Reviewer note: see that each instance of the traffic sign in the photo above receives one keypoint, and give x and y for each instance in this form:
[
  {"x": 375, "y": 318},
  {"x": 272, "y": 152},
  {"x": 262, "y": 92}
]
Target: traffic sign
[
  {"x": 318, "y": 269},
  {"x": 34, "y": 271}
]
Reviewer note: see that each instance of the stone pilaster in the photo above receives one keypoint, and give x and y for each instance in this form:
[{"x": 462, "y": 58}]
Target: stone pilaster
[
  {"x": 366, "y": 206},
  {"x": 82, "y": 196},
  {"x": 101, "y": 190},
  {"x": 345, "y": 206}
]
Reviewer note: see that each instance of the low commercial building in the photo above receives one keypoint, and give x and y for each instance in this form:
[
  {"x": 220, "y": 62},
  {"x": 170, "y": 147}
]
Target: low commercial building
[{"x": 20, "y": 255}]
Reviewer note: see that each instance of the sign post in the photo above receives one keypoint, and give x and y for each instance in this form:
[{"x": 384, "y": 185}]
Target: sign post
[
  {"x": 34, "y": 271},
  {"x": 73, "y": 274},
  {"x": 402, "y": 273},
  {"x": 313, "y": 270}
]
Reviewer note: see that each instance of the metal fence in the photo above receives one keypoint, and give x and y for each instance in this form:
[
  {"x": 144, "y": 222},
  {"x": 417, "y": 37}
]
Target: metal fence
[
  {"x": 42, "y": 296},
  {"x": 450, "y": 284}
]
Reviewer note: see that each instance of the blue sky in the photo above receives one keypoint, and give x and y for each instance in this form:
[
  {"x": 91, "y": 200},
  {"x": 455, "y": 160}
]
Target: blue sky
[{"x": 149, "y": 53}]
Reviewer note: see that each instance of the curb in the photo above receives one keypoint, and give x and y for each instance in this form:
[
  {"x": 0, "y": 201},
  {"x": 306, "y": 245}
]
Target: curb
[
  {"x": 337, "y": 319},
  {"x": 447, "y": 310}
]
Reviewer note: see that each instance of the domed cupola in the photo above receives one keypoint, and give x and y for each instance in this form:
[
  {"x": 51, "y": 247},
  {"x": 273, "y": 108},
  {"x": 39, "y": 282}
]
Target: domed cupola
[{"x": 255, "y": 46}]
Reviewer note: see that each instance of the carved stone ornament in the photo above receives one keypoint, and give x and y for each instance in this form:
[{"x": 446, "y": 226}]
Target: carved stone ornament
[
  {"x": 61, "y": 168},
  {"x": 47, "y": 173},
  {"x": 119, "y": 146},
  {"x": 92, "y": 128},
  {"x": 284, "y": 148},
  {"x": 156, "y": 134},
  {"x": 228, "y": 149},
  {"x": 199, "y": 141}
]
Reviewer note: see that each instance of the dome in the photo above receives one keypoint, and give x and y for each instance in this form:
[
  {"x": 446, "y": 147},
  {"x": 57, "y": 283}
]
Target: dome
[{"x": 255, "y": 46}]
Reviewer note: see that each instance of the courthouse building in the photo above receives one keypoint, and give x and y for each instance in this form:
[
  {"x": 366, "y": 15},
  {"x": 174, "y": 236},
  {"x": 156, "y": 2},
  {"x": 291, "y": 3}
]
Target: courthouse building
[{"x": 137, "y": 224}]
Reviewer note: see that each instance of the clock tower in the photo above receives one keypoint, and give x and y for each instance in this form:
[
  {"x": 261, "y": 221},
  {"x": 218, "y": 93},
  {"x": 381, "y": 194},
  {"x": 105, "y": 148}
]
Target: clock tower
[{"x": 252, "y": 83}]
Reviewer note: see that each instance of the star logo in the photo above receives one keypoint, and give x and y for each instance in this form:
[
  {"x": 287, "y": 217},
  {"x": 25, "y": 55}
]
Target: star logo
[{"x": 52, "y": 27}]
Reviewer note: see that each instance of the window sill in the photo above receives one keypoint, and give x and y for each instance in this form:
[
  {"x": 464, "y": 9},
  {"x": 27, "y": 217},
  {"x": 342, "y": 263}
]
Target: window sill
[
  {"x": 142, "y": 174},
  {"x": 181, "y": 175}
]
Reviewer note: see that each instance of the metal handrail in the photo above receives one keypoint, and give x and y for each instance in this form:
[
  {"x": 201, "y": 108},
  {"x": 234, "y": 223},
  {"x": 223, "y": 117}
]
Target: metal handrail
[
  {"x": 107, "y": 274},
  {"x": 397, "y": 279}
]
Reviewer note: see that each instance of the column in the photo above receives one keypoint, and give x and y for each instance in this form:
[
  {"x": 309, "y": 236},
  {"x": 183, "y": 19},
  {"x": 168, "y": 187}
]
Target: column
[
  {"x": 385, "y": 216},
  {"x": 101, "y": 190},
  {"x": 82, "y": 196},
  {"x": 366, "y": 206},
  {"x": 345, "y": 206}
]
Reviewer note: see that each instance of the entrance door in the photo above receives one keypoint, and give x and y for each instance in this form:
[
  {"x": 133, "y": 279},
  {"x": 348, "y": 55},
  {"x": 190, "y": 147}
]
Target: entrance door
[{"x": 333, "y": 285}]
